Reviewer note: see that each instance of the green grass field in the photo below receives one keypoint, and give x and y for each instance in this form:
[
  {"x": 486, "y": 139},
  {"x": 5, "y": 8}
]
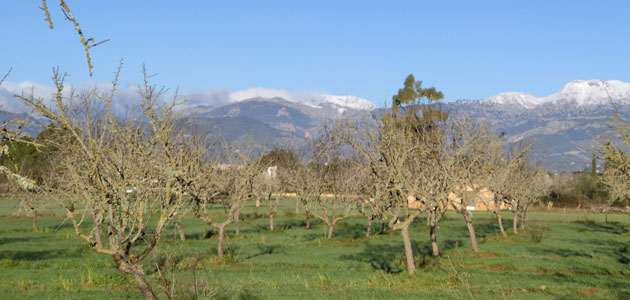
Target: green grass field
[{"x": 560, "y": 256}]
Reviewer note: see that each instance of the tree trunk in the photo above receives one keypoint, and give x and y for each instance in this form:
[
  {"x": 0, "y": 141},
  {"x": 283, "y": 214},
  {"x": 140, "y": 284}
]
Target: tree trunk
[
  {"x": 382, "y": 225},
  {"x": 257, "y": 201},
  {"x": 500, "y": 221},
  {"x": 471, "y": 230},
  {"x": 97, "y": 236},
  {"x": 34, "y": 218},
  {"x": 141, "y": 281},
  {"x": 237, "y": 217},
  {"x": 308, "y": 219},
  {"x": 19, "y": 213},
  {"x": 515, "y": 221},
  {"x": 523, "y": 218},
  {"x": 434, "y": 244},
  {"x": 330, "y": 230},
  {"x": 271, "y": 213},
  {"x": 369, "y": 227},
  {"x": 411, "y": 266},
  {"x": 220, "y": 241},
  {"x": 178, "y": 225}
]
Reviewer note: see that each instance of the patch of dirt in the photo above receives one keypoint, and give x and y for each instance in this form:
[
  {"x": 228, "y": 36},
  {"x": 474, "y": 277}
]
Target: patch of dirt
[
  {"x": 346, "y": 243},
  {"x": 499, "y": 239},
  {"x": 548, "y": 271},
  {"x": 500, "y": 267},
  {"x": 591, "y": 291},
  {"x": 331, "y": 288},
  {"x": 487, "y": 254}
]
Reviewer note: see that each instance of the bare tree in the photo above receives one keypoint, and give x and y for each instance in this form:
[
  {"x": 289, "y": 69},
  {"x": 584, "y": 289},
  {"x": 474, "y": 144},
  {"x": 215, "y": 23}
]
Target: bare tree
[
  {"x": 276, "y": 180},
  {"x": 24, "y": 189},
  {"x": 386, "y": 151},
  {"x": 367, "y": 205},
  {"x": 271, "y": 191},
  {"x": 120, "y": 169},
  {"x": 473, "y": 149},
  {"x": 230, "y": 186},
  {"x": 520, "y": 184},
  {"x": 308, "y": 185},
  {"x": 88, "y": 43},
  {"x": 436, "y": 171},
  {"x": 336, "y": 205}
]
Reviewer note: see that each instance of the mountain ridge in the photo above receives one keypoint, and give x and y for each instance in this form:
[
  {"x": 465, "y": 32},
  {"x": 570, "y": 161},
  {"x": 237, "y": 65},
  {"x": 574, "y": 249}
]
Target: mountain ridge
[{"x": 582, "y": 92}]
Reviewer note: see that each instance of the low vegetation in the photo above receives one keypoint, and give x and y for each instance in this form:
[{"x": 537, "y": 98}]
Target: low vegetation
[{"x": 540, "y": 262}]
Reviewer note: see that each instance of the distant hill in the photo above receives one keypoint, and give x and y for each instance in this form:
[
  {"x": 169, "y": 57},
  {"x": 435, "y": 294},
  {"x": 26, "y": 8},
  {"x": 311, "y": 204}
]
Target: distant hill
[{"x": 282, "y": 122}]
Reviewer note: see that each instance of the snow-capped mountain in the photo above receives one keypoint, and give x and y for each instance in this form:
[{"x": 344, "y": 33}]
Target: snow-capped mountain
[
  {"x": 340, "y": 103},
  {"x": 514, "y": 98},
  {"x": 352, "y": 102},
  {"x": 593, "y": 92},
  {"x": 581, "y": 92},
  {"x": 563, "y": 124}
]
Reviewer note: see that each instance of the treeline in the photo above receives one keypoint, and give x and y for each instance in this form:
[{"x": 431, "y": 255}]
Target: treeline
[{"x": 133, "y": 175}]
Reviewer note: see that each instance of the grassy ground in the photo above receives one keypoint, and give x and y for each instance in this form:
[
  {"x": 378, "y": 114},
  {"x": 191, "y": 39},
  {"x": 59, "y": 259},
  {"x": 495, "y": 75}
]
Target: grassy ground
[{"x": 561, "y": 256}]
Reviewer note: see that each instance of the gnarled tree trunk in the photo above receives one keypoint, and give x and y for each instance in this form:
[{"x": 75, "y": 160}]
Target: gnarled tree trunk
[
  {"x": 308, "y": 219},
  {"x": 98, "y": 235},
  {"x": 382, "y": 224},
  {"x": 138, "y": 274},
  {"x": 221, "y": 228},
  {"x": 500, "y": 221},
  {"x": 523, "y": 217},
  {"x": 34, "y": 218},
  {"x": 272, "y": 212},
  {"x": 515, "y": 219},
  {"x": 237, "y": 218},
  {"x": 180, "y": 230},
  {"x": 330, "y": 230},
  {"x": 369, "y": 226},
  {"x": 411, "y": 266},
  {"x": 434, "y": 244},
  {"x": 471, "y": 229}
]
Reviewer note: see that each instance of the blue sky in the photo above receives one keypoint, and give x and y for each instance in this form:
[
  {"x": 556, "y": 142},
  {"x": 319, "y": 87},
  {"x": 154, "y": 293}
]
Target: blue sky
[{"x": 467, "y": 49}]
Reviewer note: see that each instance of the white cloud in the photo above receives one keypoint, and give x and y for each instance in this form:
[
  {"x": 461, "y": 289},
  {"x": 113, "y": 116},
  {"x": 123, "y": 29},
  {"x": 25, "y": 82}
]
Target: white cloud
[
  {"x": 213, "y": 97},
  {"x": 260, "y": 92}
]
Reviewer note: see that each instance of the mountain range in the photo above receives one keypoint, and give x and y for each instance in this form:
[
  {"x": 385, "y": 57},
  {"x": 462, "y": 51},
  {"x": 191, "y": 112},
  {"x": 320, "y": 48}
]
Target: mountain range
[{"x": 563, "y": 124}]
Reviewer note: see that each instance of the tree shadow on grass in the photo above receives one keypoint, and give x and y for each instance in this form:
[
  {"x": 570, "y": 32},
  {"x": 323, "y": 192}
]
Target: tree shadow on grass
[
  {"x": 563, "y": 252},
  {"x": 487, "y": 228},
  {"x": 255, "y": 228},
  {"x": 340, "y": 231},
  {"x": 292, "y": 223},
  {"x": 32, "y": 255},
  {"x": 9, "y": 240},
  {"x": 268, "y": 250},
  {"x": 391, "y": 258},
  {"x": 349, "y": 231},
  {"x": 209, "y": 233},
  {"x": 618, "y": 250},
  {"x": 613, "y": 228}
]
